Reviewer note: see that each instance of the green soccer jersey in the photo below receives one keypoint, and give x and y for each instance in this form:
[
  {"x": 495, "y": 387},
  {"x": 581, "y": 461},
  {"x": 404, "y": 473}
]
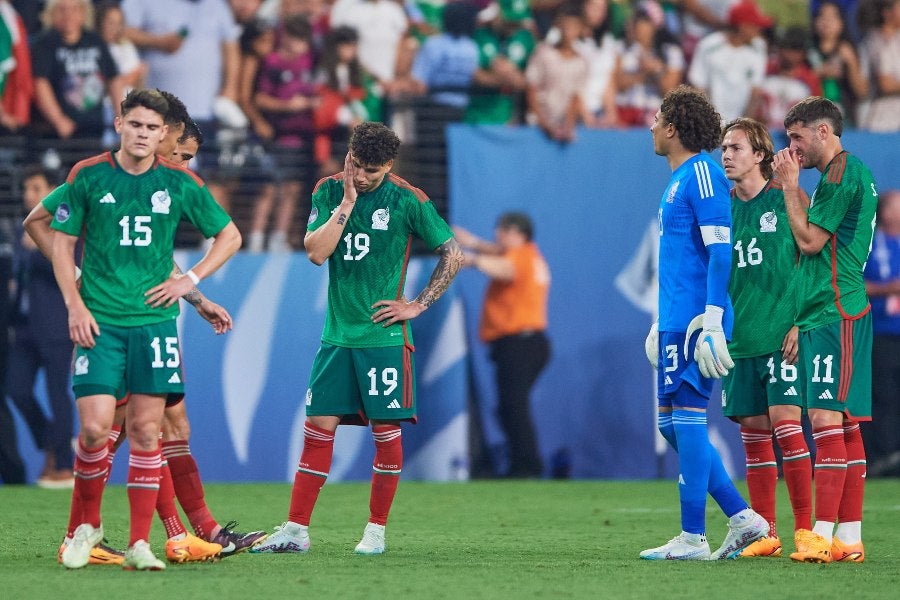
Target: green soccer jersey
[
  {"x": 497, "y": 107},
  {"x": 763, "y": 264},
  {"x": 52, "y": 200},
  {"x": 128, "y": 223},
  {"x": 369, "y": 263},
  {"x": 830, "y": 283}
]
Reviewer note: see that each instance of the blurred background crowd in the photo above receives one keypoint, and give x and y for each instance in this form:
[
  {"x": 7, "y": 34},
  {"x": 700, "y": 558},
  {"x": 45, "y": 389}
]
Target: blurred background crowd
[{"x": 276, "y": 85}]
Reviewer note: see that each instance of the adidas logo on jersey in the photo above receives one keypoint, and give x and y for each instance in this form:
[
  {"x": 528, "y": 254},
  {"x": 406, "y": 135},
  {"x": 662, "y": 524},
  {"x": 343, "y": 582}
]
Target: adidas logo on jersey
[
  {"x": 668, "y": 380},
  {"x": 791, "y": 391},
  {"x": 175, "y": 378},
  {"x": 394, "y": 404},
  {"x": 826, "y": 395},
  {"x": 108, "y": 199}
]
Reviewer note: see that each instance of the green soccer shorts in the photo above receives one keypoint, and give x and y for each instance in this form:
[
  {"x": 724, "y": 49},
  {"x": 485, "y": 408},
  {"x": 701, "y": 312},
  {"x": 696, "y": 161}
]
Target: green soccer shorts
[
  {"x": 362, "y": 384},
  {"x": 836, "y": 363},
  {"x": 758, "y": 382},
  {"x": 140, "y": 360}
]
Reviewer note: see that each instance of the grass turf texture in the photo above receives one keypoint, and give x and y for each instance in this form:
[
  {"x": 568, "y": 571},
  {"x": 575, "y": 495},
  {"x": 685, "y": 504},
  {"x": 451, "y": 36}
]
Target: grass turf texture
[{"x": 509, "y": 539}]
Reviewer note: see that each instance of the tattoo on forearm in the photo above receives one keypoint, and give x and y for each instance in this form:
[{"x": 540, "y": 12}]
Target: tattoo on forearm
[
  {"x": 193, "y": 297},
  {"x": 342, "y": 218},
  {"x": 448, "y": 266}
]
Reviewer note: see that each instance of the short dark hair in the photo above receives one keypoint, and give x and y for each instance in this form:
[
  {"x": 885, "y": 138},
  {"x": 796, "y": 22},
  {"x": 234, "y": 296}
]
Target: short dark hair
[
  {"x": 150, "y": 99},
  {"x": 178, "y": 112},
  {"x": 815, "y": 109},
  {"x": 517, "y": 220},
  {"x": 191, "y": 130},
  {"x": 697, "y": 121},
  {"x": 39, "y": 170},
  {"x": 297, "y": 26},
  {"x": 759, "y": 138},
  {"x": 374, "y": 144}
]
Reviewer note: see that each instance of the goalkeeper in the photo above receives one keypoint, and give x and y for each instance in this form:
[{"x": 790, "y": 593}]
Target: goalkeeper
[{"x": 694, "y": 269}]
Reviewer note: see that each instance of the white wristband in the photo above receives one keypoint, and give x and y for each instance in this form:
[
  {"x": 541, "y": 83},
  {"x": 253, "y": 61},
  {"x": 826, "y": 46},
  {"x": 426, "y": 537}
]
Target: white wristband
[
  {"x": 712, "y": 318},
  {"x": 193, "y": 277}
]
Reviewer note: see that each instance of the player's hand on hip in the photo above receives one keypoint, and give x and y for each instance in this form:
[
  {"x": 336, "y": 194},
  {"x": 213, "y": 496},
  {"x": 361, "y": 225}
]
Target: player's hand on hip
[
  {"x": 169, "y": 291},
  {"x": 392, "y": 311},
  {"x": 82, "y": 326},
  {"x": 711, "y": 351},
  {"x": 651, "y": 345}
]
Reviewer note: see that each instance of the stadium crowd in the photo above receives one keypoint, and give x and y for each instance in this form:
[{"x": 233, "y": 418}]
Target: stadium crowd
[{"x": 276, "y": 85}]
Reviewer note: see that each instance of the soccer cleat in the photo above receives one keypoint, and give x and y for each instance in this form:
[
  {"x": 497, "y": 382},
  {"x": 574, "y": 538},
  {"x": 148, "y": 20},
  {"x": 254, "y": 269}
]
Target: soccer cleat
[
  {"x": 767, "y": 546},
  {"x": 101, "y": 554},
  {"x": 77, "y": 553},
  {"x": 747, "y": 531},
  {"x": 678, "y": 548},
  {"x": 372, "y": 541},
  {"x": 287, "y": 538},
  {"x": 811, "y": 547},
  {"x": 191, "y": 549},
  {"x": 233, "y": 542},
  {"x": 140, "y": 558},
  {"x": 842, "y": 552}
]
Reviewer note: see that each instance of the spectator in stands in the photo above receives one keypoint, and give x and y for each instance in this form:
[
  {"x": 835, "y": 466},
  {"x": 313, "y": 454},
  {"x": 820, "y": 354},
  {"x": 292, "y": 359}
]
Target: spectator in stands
[
  {"x": 245, "y": 11},
  {"x": 73, "y": 69},
  {"x": 111, "y": 25},
  {"x": 848, "y": 8},
  {"x": 556, "y": 75},
  {"x": 882, "y": 275},
  {"x": 835, "y": 60},
  {"x": 790, "y": 79},
  {"x": 881, "y": 63},
  {"x": 505, "y": 43},
  {"x": 317, "y": 12},
  {"x": 699, "y": 18},
  {"x": 286, "y": 96},
  {"x": 16, "y": 82},
  {"x": 731, "y": 64},
  {"x": 602, "y": 50},
  {"x": 650, "y": 66},
  {"x": 342, "y": 93}
]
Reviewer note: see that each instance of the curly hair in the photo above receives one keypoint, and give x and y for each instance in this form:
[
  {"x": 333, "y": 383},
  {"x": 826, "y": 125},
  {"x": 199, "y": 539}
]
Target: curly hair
[
  {"x": 814, "y": 109},
  {"x": 374, "y": 144},
  {"x": 698, "y": 123},
  {"x": 759, "y": 138}
]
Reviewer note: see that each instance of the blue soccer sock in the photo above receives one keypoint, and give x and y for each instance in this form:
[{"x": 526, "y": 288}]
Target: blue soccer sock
[
  {"x": 694, "y": 455},
  {"x": 721, "y": 488},
  {"x": 666, "y": 428}
]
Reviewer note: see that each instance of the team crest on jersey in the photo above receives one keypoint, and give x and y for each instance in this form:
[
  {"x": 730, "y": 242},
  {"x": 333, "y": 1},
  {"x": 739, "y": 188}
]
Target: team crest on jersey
[
  {"x": 380, "y": 219},
  {"x": 63, "y": 213},
  {"x": 81, "y": 365},
  {"x": 672, "y": 191},
  {"x": 160, "y": 202},
  {"x": 767, "y": 222},
  {"x": 313, "y": 215}
]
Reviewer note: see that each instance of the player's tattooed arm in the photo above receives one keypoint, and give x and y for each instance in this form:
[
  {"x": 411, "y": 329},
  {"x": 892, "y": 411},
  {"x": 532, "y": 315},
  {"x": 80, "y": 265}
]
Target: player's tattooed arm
[
  {"x": 193, "y": 297},
  {"x": 448, "y": 266}
]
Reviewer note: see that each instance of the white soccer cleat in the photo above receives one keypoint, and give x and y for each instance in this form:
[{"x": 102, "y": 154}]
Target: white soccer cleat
[
  {"x": 679, "y": 548},
  {"x": 140, "y": 558},
  {"x": 77, "y": 552},
  {"x": 287, "y": 538},
  {"x": 372, "y": 541},
  {"x": 747, "y": 530}
]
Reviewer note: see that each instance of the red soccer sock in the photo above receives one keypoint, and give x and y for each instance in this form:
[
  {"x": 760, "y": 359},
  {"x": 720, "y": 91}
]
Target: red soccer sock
[
  {"x": 385, "y": 471},
  {"x": 312, "y": 471},
  {"x": 114, "y": 432},
  {"x": 830, "y": 471},
  {"x": 143, "y": 489},
  {"x": 854, "y": 485},
  {"x": 165, "y": 503},
  {"x": 762, "y": 473},
  {"x": 188, "y": 487},
  {"x": 797, "y": 467},
  {"x": 91, "y": 470}
]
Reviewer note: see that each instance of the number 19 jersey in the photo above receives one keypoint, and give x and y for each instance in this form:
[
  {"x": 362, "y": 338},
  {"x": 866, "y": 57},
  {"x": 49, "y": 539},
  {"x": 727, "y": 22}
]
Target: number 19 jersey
[
  {"x": 763, "y": 265},
  {"x": 369, "y": 262}
]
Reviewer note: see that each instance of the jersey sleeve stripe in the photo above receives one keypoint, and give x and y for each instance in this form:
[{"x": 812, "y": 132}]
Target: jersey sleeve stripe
[
  {"x": 89, "y": 162},
  {"x": 402, "y": 183},
  {"x": 836, "y": 168},
  {"x": 701, "y": 170},
  {"x": 336, "y": 177},
  {"x": 165, "y": 162}
]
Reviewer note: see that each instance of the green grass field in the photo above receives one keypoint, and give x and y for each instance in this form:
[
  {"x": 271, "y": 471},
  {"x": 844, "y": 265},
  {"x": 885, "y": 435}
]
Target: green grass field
[{"x": 576, "y": 539}]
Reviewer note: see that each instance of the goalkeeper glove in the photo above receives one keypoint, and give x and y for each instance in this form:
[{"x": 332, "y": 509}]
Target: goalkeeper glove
[
  {"x": 651, "y": 345},
  {"x": 711, "y": 351}
]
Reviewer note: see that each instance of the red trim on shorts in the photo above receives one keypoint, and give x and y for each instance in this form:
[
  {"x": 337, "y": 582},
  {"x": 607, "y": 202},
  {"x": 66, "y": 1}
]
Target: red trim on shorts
[
  {"x": 846, "y": 372},
  {"x": 407, "y": 376}
]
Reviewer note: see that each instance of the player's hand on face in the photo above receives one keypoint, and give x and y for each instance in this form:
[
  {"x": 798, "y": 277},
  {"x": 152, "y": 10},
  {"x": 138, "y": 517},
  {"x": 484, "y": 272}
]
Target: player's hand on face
[
  {"x": 169, "y": 291},
  {"x": 82, "y": 326},
  {"x": 217, "y": 316},
  {"x": 349, "y": 171},
  {"x": 790, "y": 347},
  {"x": 786, "y": 166},
  {"x": 392, "y": 311}
]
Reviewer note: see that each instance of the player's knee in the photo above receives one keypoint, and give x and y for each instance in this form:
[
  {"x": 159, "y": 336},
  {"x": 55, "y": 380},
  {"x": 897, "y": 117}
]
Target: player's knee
[{"x": 94, "y": 433}]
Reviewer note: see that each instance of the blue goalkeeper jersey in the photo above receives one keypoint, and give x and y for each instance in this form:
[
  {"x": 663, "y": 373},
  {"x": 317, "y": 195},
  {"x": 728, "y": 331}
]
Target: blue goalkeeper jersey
[{"x": 697, "y": 195}]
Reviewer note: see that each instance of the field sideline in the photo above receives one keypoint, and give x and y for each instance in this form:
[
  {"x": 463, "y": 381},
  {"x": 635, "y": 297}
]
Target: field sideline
[{"x": 516, "y": 539}]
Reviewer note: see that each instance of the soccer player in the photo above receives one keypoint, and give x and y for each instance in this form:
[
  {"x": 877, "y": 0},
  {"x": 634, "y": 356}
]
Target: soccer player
[
  {"x": 694, "y": 266},
  {"x": 128, "y": 204},
  {"x": 763, "y": 390},
  {"x": 834, "y": 317},
  {"x": 362, "y": 223}
]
